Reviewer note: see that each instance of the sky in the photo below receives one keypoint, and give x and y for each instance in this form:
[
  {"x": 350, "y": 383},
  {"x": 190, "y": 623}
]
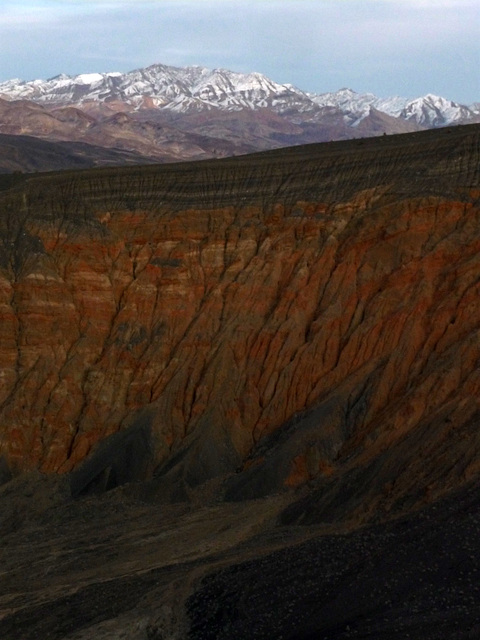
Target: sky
[{"x": 388, "y": 47}]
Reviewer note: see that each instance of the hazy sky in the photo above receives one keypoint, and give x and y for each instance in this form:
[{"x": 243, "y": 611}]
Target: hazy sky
[{"x": 388, "y": 47}]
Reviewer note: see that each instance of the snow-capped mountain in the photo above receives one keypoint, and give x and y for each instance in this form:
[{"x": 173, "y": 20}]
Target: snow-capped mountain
[
  {"x": 164, "y": 114},
  {"x": 359, "y": 104},
  {"x": 429, "y": 111},
  {"x": 196, "y": 89},
  {"x": 435, "y": 111},
  {"x": 174, "y": 88}
]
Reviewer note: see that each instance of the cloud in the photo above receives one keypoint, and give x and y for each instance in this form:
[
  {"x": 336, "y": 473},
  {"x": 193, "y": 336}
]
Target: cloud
[
  {"x": 385, "y": 46},
  {"x": 438, "y": 4}
]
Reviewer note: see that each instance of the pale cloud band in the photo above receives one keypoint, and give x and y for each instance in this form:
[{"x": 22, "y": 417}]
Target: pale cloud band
[{"x": 408, "y": 47}]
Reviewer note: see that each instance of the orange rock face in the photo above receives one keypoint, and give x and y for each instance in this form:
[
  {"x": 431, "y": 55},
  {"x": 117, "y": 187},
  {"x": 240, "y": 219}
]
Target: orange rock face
[{"x": 330, "y": 293}]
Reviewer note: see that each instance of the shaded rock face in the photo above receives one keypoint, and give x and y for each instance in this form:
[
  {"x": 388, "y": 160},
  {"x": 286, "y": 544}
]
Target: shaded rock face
[{"x": 302, "y": 317}]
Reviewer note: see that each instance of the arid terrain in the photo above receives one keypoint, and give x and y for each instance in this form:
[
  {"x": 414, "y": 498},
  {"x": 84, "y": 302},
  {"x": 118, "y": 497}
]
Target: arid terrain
[
  {"x": 169, "y": 114},
  {"x": 239, "y": 397}
]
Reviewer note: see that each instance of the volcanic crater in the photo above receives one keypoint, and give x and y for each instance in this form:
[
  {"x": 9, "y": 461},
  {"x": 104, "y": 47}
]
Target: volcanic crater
[{"x": 239, "y": 397}]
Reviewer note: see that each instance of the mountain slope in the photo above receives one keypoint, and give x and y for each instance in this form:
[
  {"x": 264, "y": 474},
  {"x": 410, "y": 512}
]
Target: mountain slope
[
  {"x": 165, "y": 136},
  {"x": 435, "y": 111},
  {"x": 240, "y": 397},
  {"x": 19, "y": 153},
  {"x": 175, "y": 88},
  {"x": 193, "y": 89},
  {"x": 169, "y": 113},
  {"x": 152, "y": 141}
]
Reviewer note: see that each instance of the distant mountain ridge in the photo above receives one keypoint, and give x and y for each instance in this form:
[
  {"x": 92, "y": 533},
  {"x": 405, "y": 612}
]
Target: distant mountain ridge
[
  {"x": 187, "y": 89},
  {"x": 169, "y": 114}
]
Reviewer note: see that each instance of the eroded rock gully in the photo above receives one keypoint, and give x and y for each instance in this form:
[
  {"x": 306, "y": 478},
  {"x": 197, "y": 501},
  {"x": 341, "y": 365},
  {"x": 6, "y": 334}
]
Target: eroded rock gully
[
  {"x": 234, "y": 393},
  {"x": 292, "y": 316}
]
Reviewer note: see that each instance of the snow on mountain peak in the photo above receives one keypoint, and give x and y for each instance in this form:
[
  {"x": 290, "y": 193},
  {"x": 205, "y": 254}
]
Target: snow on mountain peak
[
  {"x": 89, "y": 78},
  {"x": 434, "y": 111},
  {"x": 195, "y": 88}
]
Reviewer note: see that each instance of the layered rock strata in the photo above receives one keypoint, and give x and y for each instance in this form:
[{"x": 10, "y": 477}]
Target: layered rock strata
[{"x": 293, "y": 316}]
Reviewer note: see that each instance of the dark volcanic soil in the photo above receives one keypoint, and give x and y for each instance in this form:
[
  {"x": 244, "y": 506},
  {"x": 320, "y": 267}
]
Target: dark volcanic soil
[
  {"x": 415, "y": 578},
  {"x": 111, "y": 567}
]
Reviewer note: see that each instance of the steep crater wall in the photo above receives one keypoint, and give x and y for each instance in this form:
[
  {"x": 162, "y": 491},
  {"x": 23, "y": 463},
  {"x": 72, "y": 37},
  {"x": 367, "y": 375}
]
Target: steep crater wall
[{"x": 288, "y": 317}]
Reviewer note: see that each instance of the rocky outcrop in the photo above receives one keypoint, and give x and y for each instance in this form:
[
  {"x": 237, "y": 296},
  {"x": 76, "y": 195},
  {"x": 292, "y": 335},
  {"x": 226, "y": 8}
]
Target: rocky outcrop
[{"x": 302, "y": 316}]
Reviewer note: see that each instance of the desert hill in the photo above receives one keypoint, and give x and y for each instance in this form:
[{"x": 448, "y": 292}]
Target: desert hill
[
  {"x": 254, "y": 352},
  {"x": 36, "y": 138},
  {"x": 29, "y": 154},
  {"x": 105, "y": 134}
]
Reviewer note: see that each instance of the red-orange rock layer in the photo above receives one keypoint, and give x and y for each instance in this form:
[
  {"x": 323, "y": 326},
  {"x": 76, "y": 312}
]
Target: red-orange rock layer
[{"x": 239, "y": 317}]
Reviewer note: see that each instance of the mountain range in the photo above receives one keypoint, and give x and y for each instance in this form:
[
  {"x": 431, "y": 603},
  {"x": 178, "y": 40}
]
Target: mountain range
[{"x": 164, "y": 113}]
